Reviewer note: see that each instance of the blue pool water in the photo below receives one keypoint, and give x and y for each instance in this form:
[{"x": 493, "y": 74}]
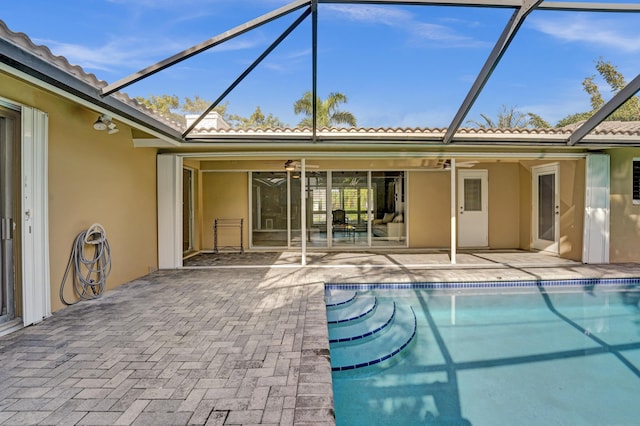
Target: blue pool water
[{"x": 525, "y": 356}]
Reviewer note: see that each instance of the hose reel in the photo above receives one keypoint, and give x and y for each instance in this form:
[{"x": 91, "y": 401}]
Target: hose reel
[{"x": 91, "y": 261}]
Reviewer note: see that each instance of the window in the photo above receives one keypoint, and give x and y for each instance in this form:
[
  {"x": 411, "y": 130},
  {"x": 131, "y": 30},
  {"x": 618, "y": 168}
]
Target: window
[{"x": 636, "y": 180}]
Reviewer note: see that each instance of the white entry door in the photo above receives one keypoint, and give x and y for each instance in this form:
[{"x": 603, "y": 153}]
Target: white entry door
[
  {"x": 546, "y": 208},
  {"x": 473, "y": 209}
]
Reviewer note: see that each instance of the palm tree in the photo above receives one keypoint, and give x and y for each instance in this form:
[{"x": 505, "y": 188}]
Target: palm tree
[
  {"x": 327, "y": 112},
  {"x": 510, "y": 118}
]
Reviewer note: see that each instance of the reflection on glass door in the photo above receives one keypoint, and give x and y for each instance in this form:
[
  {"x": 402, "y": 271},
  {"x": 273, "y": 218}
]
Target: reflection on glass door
[
  {"x": 269, "y": 215},
  {"x": 316, "y": 209}
]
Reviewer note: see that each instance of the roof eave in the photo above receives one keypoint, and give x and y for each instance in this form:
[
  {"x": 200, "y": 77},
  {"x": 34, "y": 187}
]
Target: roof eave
[{"x": 27, "y": 66}]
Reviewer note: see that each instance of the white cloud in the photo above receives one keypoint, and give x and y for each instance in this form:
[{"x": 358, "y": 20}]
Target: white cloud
[
  {"x": 107, "y": 57},
  {"x": 132, "y": 52},
  {"x": 582, "y": 29},
  {"x": 392, "y": 17},
  {"x": 420, "y": 32}
]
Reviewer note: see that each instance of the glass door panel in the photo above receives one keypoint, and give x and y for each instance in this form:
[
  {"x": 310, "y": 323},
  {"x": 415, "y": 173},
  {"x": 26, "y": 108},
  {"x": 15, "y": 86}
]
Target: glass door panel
[
  {"x": 388, "y": 225},
  {"x": 316, "y": 209},
  {"x": 546, "y": 207},
  {"x": 350, "y": 209},
  {"x": 269, "y": 215}
]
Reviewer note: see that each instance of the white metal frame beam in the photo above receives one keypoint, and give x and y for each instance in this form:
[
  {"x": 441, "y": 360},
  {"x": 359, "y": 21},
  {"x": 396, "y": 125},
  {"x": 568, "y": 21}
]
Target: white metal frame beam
[
  {"x": 605, "y": 111},
  {"x": 208, "y": 44},
  {"x": 509, "y": 32},
  {"x": 522, "y": 9},
  {"x": 251, "y": 67}
]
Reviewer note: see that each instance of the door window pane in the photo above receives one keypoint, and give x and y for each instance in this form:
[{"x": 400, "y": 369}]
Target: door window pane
[
  {"x": 546, "y": 207},
  {"x": 472, "y": 195}
]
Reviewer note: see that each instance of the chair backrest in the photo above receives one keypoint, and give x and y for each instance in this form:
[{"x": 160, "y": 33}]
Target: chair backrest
[{"x": 339, "y": 217}]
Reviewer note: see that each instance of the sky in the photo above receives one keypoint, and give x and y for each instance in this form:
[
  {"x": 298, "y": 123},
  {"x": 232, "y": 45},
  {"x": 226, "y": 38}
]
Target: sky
[{"x": 399, "y": 66}]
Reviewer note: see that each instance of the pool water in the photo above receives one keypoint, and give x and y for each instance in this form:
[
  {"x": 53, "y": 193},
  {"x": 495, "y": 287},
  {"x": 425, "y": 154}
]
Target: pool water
[{"x": 525, "y": 357}]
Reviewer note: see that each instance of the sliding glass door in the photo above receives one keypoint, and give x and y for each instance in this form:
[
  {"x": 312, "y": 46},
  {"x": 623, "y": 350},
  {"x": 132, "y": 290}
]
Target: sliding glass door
[{"x": 342, "y": 209}]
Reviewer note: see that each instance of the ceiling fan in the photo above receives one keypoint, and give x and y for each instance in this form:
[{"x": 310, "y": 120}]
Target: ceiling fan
[
  {"x": 295, "y": 165},
  {"x": 460, "y": 164}
]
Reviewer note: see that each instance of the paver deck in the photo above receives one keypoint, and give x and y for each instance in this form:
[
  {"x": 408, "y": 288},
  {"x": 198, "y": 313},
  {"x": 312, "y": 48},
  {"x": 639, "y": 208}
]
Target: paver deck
[{"x": 232, "y": 344}]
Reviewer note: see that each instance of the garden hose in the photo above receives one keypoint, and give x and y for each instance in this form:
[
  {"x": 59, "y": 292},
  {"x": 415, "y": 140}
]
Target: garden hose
[{"x": 89, "y": 273}]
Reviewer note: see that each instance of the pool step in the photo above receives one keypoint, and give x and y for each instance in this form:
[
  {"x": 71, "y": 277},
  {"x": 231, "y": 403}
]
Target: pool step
[
  {"x": 359, "y": 308},
  {"x": 366, "y": 352},
  {"x": 338, "y": 298},
  {"x": 379, "y": 320}
]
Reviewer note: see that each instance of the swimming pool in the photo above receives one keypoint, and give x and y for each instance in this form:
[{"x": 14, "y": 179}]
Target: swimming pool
[{"x": 526, "y": 355}]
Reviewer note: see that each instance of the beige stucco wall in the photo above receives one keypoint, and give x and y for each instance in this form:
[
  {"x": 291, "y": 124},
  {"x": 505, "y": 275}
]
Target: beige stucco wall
[
  {"x": 572, "y": 192},
  {"x": 624, "y": 215},
  {"x": 504, "y": 206},
  {"x": 429, "y": 205},
  {"x": 224, "y": 196},
  {"x": 94, "y": 177},
  {"x": 525, "y": 203}
]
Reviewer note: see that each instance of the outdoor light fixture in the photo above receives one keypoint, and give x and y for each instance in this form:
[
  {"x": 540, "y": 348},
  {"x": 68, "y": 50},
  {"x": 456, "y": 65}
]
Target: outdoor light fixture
[{"x": 104, "y": 123}]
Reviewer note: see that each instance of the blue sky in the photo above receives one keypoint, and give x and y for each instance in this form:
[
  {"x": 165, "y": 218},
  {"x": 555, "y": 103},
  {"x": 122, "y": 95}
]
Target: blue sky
[{"x": 397, "y": 65}]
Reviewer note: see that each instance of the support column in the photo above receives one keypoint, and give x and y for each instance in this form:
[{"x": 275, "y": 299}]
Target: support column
[
  {"x": 303, "y": 210},
  {"x": 454, "y": 234}
]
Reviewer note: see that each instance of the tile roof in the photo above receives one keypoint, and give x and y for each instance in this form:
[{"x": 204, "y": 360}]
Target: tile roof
[
  {"x": 607, "y": 128},
  {"x": 22, "y": 41}
]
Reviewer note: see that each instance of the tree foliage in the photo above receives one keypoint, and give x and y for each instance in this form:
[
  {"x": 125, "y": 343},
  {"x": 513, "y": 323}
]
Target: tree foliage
[
  {"x": 328, "y": 113},
  {"x": 510, "y": 118},
  {"x": 257, "y": 120},
  {"x": 628, "y": 111},
  {"x": 173, "y": 108}
]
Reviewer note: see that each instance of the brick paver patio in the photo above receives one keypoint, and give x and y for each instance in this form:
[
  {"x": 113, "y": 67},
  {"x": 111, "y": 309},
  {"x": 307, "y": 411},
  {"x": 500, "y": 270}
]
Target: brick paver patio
[{"x": 213, "y": 346}]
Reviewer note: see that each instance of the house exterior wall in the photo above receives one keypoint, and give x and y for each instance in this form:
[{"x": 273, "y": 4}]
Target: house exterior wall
[
  {"x": 429, "y": 201},
  {"x": 504, "y": 206},
  {"x": 429, "y": 217},
  {"x": 572, "y": 193},
  {"x": 93, "y": 177},
  {"x": 524, "y": 202},
  {"x": 624, "y": 215},
  {"x": 225, "y": 195}
]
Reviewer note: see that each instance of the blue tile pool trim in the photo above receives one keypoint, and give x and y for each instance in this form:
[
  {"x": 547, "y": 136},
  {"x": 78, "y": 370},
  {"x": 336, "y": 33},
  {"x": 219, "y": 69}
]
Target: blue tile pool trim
[
  {"x": 387, "y": 356},
  {"x": 369, "y": 333},
  {"x": 486, "y": 284},
  {"x": 375, "y": 303}
]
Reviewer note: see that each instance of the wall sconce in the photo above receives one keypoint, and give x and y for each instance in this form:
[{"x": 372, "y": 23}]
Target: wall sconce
[{"x": 104, "y": 123}]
